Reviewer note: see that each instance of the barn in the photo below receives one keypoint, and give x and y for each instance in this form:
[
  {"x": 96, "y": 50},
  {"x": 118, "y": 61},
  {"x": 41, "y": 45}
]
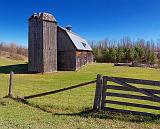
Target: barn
[
  {"x": 52, "y": 48},
  {"x": 73, "y": 50}
]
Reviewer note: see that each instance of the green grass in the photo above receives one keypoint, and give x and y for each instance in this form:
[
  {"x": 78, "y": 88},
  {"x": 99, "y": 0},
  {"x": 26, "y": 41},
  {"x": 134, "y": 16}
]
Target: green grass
[{"x": 70, "y": 109}]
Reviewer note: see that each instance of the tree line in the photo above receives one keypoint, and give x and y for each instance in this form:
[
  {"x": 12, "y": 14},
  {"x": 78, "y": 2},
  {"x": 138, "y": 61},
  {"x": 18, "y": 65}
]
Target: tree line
[{"x": 126, "y": 50}]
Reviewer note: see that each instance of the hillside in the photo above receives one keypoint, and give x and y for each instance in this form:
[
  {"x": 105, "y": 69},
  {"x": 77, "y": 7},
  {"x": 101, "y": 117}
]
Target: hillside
[
  {"x": 4, "y": 61},
  {"x": 13, "y": 56},
  {"x": 71, "y": 109},
  {"x": 13, "y": 51}
]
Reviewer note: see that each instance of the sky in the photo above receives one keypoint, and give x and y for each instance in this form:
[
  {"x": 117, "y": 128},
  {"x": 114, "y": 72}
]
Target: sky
[{"x": 92, "y": 19}]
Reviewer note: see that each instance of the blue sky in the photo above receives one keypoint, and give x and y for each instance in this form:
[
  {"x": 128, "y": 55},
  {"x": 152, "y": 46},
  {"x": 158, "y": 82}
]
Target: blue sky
[{"x": 92, "y": 19}]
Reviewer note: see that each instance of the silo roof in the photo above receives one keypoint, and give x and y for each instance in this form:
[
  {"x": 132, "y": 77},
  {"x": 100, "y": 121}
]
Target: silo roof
[{"x": 43, "y": 16}]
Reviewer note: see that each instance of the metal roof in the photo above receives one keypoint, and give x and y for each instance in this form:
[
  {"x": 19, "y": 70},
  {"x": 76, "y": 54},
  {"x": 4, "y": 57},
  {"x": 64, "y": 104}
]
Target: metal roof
[{"x": 79, "y": 42}]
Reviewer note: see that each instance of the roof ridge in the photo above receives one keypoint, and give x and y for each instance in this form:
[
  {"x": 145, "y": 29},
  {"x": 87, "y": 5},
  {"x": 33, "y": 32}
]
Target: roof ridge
[{"x": 71, "y": 32}]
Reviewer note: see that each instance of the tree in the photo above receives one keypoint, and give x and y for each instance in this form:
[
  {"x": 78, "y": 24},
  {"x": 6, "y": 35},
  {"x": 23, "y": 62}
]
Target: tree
[
  {"x": 138, "y": 53},
  {"x": 119, "y": 55},
  {"x": 112, "y": 55},
  {"x": 130, "y": 54},
  {"x": 151, "y": 57}
]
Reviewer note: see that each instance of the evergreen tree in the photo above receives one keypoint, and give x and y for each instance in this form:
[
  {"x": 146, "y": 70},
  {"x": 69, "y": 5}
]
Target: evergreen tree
[
  {"x": 125, "y": 50},
  {"x": 112, "y": 55},
  {"x": 119, "y": 55}
]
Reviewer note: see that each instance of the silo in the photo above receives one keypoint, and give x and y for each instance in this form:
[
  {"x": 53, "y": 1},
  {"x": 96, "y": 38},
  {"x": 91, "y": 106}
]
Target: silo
[{"x": 42, "y": 43}]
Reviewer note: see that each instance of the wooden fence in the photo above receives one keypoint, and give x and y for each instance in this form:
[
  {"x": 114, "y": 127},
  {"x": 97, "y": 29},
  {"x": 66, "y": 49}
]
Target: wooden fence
[
  {"x": 59, "y": 90},
  {"x": 11, "y": 95},
  {"x": 102, "y": 92}
]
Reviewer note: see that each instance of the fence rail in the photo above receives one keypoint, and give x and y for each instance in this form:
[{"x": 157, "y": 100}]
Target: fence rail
[
  {"x": 103, "y": 94},
  {"x": 127, "y": 89},
  {"x": 59, "y": 90},
  {"x": 135, "y": 81}
]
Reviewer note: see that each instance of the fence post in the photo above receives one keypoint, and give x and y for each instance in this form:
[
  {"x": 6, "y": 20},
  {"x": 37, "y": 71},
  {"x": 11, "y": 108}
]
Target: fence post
[
  {"x": 103, "y": 103},
  {"x": 10, "y": 94},
  {"x": 98, "y": 93}
]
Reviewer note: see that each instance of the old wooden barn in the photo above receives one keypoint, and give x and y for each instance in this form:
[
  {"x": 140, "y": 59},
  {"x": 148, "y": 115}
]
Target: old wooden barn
[
  {"x": 73, "y": 51},
  {"x": 53, "y": 48}
]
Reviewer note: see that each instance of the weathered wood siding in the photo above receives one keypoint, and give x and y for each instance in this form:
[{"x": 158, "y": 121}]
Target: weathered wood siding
[
  {"x": 42, "y": 46},
  {"x": 49, "y": 46},
  {"x": 66, "y": 51},
  {"x": 35, "y": 49},
  {"x": 83, "y": 58}
]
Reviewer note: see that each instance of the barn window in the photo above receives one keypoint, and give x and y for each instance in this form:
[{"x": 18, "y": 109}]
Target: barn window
[{"x": 84, "y": 44}]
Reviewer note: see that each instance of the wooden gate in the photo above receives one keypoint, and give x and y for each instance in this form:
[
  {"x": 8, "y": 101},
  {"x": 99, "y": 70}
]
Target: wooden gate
[{"x": 127, "y": 90}]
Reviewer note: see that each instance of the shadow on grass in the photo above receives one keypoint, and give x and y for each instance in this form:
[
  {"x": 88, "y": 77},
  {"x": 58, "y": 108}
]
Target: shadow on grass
[
  {"x": 17, "y": 69},
  {"x": 19, "y": 100},
  {"x": 89, "y": 113}
]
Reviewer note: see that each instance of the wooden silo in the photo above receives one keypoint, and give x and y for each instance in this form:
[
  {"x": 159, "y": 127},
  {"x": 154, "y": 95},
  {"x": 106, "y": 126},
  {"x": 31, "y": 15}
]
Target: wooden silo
[{"x": 42, "y": 43}]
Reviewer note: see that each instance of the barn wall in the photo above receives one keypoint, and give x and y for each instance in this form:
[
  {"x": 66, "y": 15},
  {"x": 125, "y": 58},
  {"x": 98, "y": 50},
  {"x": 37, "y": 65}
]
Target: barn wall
[
  {"x": 64, "y": 42},
  {"x": 66, "y": 51},
  {"x": 66, "y": 60},
  {"x": 83, "y": 58}
]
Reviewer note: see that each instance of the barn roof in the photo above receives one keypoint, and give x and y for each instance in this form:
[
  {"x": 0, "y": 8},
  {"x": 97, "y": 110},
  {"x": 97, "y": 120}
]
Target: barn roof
[{"x": 79, "y": 42}]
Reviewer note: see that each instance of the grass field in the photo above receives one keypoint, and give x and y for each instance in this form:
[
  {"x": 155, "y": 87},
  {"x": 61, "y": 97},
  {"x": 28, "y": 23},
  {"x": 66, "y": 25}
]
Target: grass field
[{"x": 71, "y": 109}]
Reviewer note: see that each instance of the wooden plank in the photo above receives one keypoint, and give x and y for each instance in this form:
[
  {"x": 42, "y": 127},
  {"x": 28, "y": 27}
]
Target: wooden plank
[
  {"x": 133, "y": 104},
  {"x": 131, "y": 96},
  {"x": 136, "y": 81},
  {"x": 98, "y": 93},
  {"x": 127, "y": 89},
  {"x": 103, "y": 94},
  {"x": 129, "y": 112},
  {"x": 57, "y": 91},
  {"x": 134, "y": 88}
]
